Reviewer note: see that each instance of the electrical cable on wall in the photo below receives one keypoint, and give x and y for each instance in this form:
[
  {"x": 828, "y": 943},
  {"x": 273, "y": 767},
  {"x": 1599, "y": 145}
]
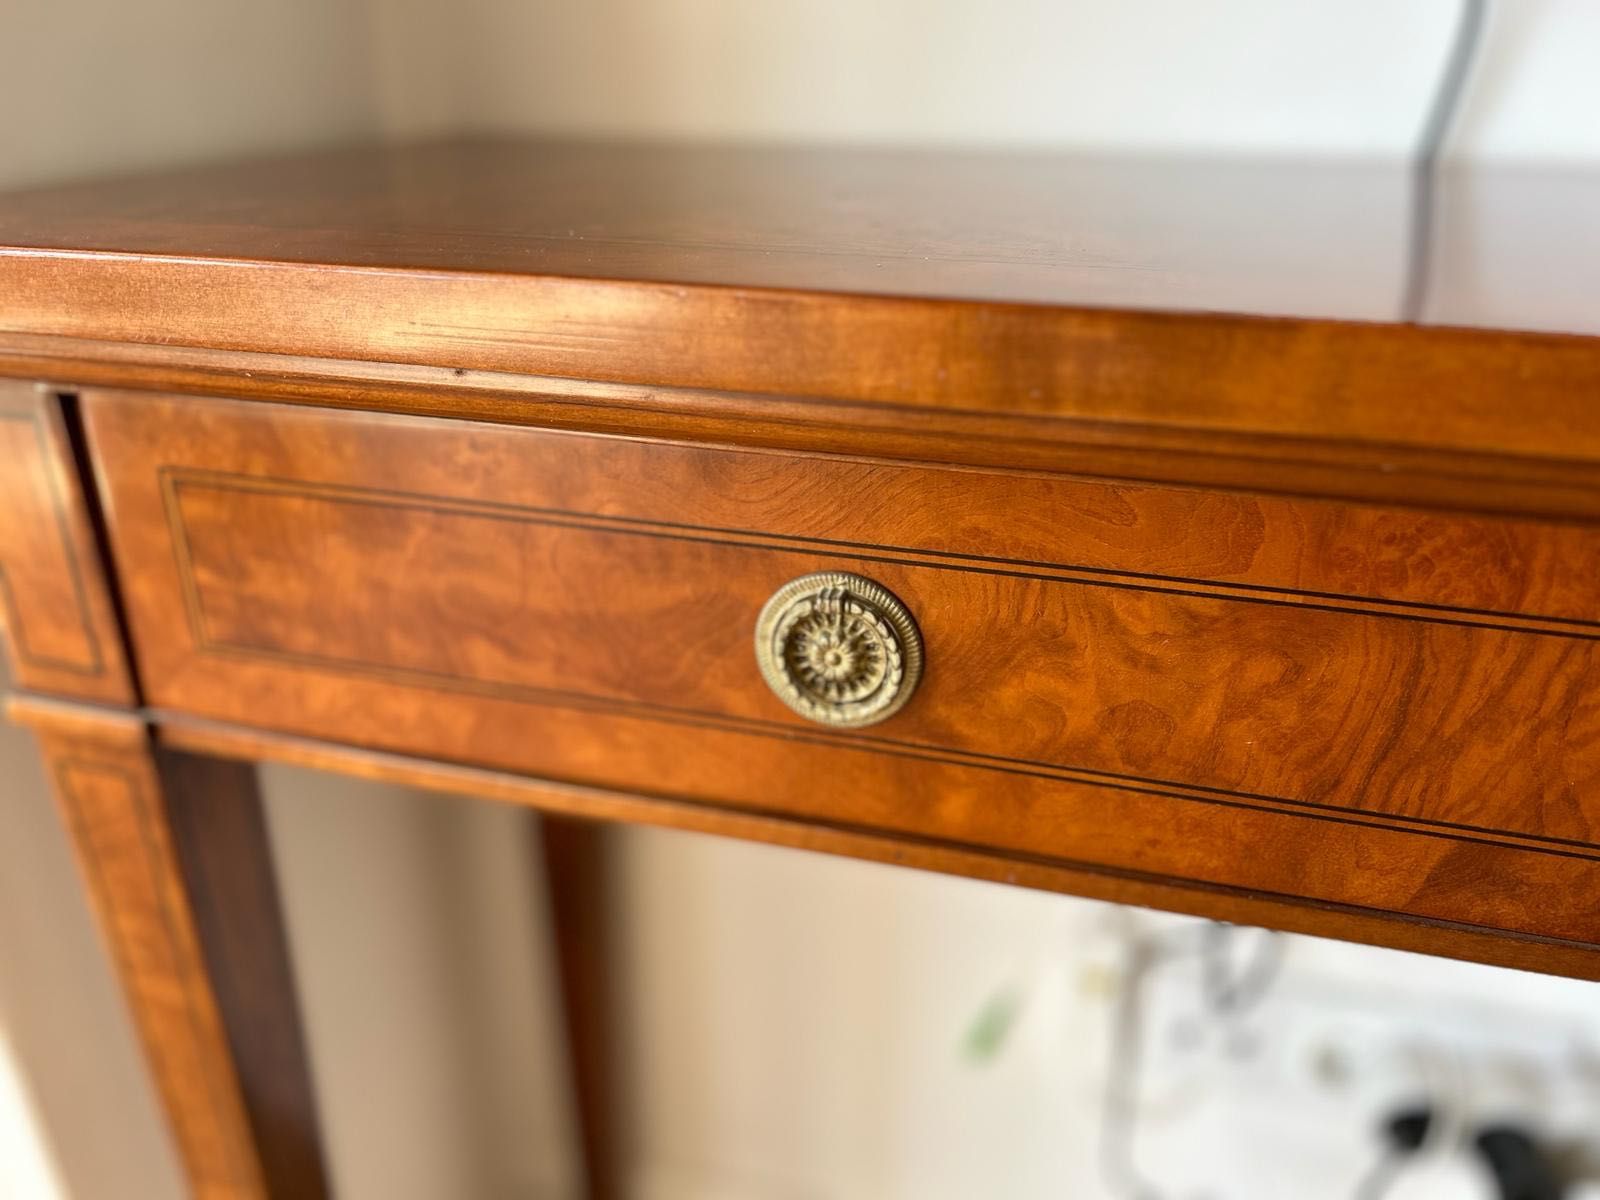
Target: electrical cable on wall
[
  {"x": 1425, "y": 166},
  {"x": 1227, "y": 993}
]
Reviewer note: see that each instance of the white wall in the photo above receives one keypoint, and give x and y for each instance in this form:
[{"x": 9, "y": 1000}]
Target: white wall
[
  {"x": 1326, "y": 77},
  {"x": 1519, "y": 242},
  {"x": 801, "y": 1028},
  {"x": 794, "y": 1023}
]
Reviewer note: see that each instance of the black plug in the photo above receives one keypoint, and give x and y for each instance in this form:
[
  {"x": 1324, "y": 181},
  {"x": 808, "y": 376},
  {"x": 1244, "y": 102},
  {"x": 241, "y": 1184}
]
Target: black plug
[
  {"x": 1406, "y": 1129},
  {"x": 1520, "y": 1167}
]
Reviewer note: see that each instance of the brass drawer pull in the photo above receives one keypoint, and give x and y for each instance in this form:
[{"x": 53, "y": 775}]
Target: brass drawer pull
[{"x": 839, "y": 649}]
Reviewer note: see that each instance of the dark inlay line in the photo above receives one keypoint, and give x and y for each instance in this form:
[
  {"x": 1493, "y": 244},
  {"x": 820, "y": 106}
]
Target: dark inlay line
[{"x": 948, "y": 560}]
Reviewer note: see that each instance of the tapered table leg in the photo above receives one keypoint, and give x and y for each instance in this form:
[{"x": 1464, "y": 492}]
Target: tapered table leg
[
  {"x": 173, "y": 848},
  {"x": 574, "y": 854}
]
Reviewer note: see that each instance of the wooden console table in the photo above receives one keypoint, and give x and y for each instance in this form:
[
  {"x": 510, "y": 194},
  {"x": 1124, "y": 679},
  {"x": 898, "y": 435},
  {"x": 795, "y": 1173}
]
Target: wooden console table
[{"x": 874, "y": 504}]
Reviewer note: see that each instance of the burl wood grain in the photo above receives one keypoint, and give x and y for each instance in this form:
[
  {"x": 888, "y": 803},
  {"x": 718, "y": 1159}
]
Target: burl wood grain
[
  {"x": 1019, "y": 868},
  {"x": 174, "y": 854},
  {"x": 1492, "y": 728},
  {"x": 1492, "y": 569},
  {"x": 58, "y": 617},
  {"x": 1378, "y": 708}
]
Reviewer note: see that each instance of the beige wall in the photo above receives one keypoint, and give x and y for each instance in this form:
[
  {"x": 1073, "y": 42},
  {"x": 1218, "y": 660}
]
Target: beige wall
[
  {"x": 93, "y": 86},
  {"x": 421, "y": 942}
]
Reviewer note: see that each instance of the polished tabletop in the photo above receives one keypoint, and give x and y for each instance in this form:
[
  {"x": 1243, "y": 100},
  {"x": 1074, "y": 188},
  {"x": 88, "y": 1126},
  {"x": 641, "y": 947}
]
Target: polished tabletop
[
  {"x": 1115, "y": 294},
  {"x": 1282, "y": 237}
]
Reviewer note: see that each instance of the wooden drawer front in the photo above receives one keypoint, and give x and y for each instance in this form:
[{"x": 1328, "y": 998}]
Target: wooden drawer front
[{"x": 1376, "y": 707}]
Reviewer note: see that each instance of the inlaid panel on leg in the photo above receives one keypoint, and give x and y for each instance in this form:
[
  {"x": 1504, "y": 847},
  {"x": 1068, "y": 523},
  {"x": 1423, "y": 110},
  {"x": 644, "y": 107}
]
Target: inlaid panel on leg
[{"x": 174, "y": 853}]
